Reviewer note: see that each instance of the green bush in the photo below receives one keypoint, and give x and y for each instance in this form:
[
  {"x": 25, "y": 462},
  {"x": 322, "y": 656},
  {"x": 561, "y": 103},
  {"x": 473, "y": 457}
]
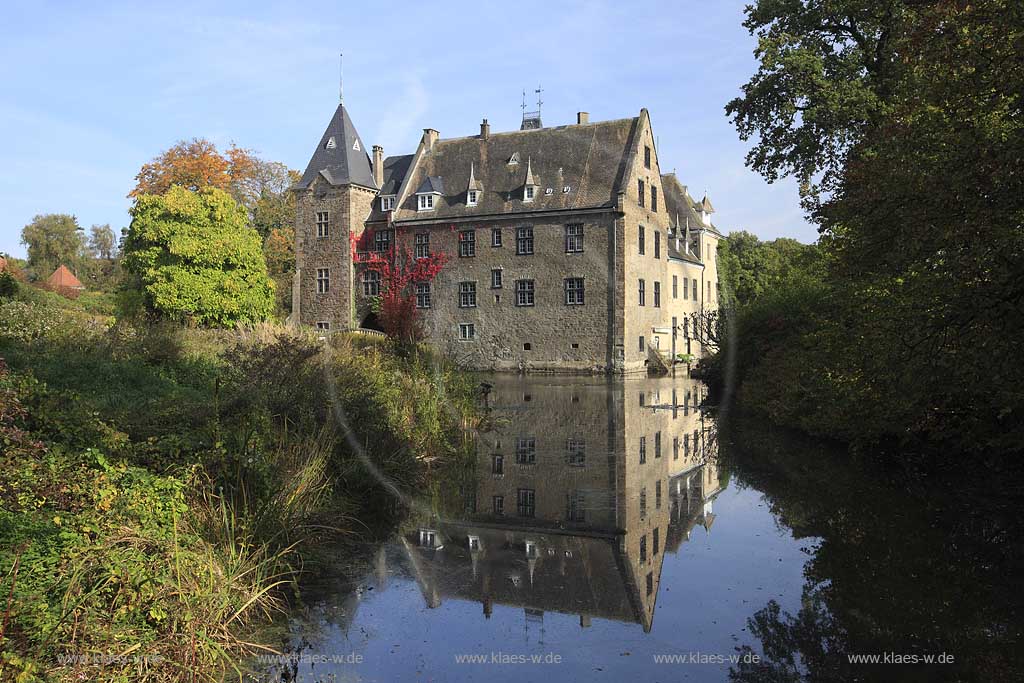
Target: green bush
[
  {"x": 196, "y": 260},
  {"x": 8, "y": 285}
]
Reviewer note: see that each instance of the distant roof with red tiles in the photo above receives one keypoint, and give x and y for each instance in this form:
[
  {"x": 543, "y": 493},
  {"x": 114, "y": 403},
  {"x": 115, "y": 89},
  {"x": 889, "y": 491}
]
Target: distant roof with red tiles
[{"x": 62, "y": 277}]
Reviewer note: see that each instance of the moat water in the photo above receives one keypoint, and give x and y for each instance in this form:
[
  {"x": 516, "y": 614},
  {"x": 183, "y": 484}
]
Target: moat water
[{"x": 615, "y": 530}]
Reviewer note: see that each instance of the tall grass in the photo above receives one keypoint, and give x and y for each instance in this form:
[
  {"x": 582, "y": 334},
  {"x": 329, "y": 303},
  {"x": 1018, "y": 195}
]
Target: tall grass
[{"x": 161, "y": 485}]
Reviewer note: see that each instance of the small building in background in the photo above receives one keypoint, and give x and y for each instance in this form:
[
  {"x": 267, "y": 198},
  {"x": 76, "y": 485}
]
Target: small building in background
[{"x": 64, "y": 279}]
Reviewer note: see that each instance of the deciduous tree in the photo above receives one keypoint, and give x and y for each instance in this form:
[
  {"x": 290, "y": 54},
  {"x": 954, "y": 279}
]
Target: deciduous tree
[
  {"x": 102, "y": 242},
  {"x": 195, "y": 259},
  {"x": 53, "y": 239},
  {"x": 905, "y": 124}
]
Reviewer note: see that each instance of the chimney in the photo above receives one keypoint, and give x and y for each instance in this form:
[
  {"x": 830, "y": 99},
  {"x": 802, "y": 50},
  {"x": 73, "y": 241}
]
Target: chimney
[
  {"x": 485, "y": 129},
  {"x": 378, "y": 166},
  {"x": 430, "y": 136},
  {"x": 582, "y": 117}
]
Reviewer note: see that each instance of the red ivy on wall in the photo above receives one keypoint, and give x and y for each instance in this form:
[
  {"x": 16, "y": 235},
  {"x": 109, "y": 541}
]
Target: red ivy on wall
[{"x": 399, "y": 272}]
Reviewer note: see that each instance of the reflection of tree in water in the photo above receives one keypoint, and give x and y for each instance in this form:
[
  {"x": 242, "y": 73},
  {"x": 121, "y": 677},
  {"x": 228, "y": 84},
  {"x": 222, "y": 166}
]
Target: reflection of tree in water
[
  {"x": 793, "y": 644},
  {"x": 903, "y": 564}
]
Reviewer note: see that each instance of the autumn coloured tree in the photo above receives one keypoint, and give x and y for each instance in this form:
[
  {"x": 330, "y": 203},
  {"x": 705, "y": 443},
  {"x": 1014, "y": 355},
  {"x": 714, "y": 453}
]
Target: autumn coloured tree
[
  {"x": 194, "y": 164},
  {"x": 261, "y": 187},
  {"x": 400, "y": 271}
]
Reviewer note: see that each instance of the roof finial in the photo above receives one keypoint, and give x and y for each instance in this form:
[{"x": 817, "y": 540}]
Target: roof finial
[
  {"x": 531, "y": 119},
  {"x": 341, "y": 77}
]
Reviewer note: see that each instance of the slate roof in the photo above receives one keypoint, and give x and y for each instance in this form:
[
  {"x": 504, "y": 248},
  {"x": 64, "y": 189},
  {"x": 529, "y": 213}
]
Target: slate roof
[
  {"x": 431, "y": 184},
  {"x": 346, "y": 163},
  {"x": 62, "y": 277},
  {"x": 679, "y": 203},
  {"x": 589, "y": 159},
  {"x": 395, "y": 169}
]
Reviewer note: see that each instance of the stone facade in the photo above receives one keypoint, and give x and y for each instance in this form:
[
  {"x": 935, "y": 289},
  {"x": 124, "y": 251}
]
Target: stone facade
[{"x": 575, "y": 189}]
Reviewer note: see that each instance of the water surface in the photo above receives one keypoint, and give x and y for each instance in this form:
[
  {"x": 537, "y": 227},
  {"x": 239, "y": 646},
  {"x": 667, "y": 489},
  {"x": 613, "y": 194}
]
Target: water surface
[{"x": 601, "y": 533}]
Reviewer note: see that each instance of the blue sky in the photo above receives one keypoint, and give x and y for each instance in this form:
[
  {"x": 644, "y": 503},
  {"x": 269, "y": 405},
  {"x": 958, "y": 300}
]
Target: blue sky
[{"x": 87, "y": 95}]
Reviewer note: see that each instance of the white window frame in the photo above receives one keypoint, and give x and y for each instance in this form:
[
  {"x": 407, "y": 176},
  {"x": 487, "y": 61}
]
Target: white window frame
[
  {"x": 467, "y": 243},
  {"x": 371, "y": 283},
  {"x": 528, "y": 193},
  {"x": 323, "y": 325},
  {"x": 323, "y": 280},
  {"x": 526, "y": 292},
  {"x": 421, "y": 245},
  {"x": 471, "y": 197},
  {"x": 387, "y": 202},
  {"x": 382, "y": 240},
  {"x": 575, "y": 296},
  {"x": 467, "y": 288},
  {"x": 574, "y": 238},
  {"x": 424, "y": 297},
  {"x": 426, "y": 202},
  {"x": 467, "y": 332},
  {"x": 323, "y": 223},
  {"x": 524, "y": 238},
  {"x": 497, "y": 278}
]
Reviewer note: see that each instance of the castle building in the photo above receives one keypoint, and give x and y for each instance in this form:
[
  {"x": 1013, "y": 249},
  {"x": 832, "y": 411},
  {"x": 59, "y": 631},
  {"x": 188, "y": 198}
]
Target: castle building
[{"x": 569, "y": 249}]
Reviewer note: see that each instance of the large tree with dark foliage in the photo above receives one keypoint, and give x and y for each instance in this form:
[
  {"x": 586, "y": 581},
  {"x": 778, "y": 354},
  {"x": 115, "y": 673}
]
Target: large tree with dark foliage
[{"x": 903, "y": 123}]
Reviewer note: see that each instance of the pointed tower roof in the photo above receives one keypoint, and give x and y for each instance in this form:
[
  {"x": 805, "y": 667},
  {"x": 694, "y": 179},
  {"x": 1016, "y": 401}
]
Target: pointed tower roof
[
  {"x": 341, "y": 156},
  {"x": 529, "y": 173},
  {"x": 705, "y": 204},
  {"x": 474, "y": 184}
]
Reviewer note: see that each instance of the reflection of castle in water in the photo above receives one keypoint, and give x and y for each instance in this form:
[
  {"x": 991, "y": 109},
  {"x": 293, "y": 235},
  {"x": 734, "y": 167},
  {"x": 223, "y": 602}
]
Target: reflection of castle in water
[{"x": 581, "y": 488}]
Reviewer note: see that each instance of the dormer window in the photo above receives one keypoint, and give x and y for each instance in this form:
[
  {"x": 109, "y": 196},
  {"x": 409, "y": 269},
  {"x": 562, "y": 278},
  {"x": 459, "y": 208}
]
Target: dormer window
[
  {"x": 530, "y": 184},
  {"x": 474, "y": 188},
  {"x": 429, "y": 191},
  {"x": 331, "y": 144},
  {"x": 514, "y": 159},
  {"x": 387, "y": 202}
]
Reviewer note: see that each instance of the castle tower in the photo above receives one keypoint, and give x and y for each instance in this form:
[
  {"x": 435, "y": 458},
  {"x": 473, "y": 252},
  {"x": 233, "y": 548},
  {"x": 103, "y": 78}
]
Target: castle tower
[{"x": 332, "y": 201}]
